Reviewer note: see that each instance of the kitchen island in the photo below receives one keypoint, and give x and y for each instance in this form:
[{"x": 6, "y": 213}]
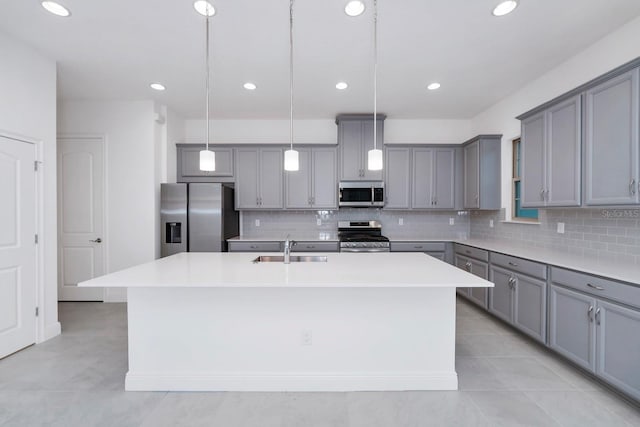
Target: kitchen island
[{"x": 218, "y": 321}]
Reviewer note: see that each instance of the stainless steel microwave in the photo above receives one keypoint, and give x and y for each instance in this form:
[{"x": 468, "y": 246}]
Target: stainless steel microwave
[{"x": 361, "y": 194}]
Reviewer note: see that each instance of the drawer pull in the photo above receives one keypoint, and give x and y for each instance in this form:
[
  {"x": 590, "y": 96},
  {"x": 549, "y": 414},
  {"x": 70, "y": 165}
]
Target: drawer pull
[
  {"x": 417, "y": 247},
  {"x": 597, "y": 288},
  {"x": 310, "y": 247},
  {"x": 467, "y": 251},
  {"x": 513, "y": 264}
]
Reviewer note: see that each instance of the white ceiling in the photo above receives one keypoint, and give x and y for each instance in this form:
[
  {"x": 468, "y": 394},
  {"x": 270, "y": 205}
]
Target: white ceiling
[{"x": 113, "y": 49}]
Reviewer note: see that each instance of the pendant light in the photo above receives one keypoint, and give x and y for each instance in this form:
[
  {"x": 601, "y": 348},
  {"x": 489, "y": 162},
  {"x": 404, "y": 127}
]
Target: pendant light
[
  {"x": 207, "y": 157},
  {"x": 374, "y": 157},
  {"x": 291, "y": 156}
]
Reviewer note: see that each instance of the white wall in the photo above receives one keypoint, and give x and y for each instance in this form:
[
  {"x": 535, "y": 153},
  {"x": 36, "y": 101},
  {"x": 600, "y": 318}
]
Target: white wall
[
  {"x": 132, "y": 175},
  {"x": 175, "y": 133},
  {"x": 28, "y": 108},
  {"x": 606, "y": 54}
]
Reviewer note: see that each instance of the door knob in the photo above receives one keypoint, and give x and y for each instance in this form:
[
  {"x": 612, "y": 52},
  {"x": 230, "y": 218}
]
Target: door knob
[{"x": 98, "y": 240}]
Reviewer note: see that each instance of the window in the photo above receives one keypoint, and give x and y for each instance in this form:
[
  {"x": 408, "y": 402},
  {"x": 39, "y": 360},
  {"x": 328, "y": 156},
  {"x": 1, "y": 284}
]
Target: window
[{"x": 518, "y": 212}]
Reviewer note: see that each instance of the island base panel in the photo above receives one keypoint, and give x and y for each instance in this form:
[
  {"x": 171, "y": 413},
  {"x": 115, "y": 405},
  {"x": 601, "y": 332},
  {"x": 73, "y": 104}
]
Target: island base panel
[{"x": 298, "y": 339}]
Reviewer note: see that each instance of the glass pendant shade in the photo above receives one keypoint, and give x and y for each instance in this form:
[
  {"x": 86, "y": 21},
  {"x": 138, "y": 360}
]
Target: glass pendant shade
[
  {"x": 374, "y": 160},
  {"x": 291, "y": 160},
  {"x": 207, "y": 160}
]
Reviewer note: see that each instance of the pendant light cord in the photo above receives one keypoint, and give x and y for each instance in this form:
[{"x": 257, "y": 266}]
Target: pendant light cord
[
  {"x": 207, "y": 76},
  {"x": 375, "y": 73},
  {"x": 291, "y": 73}
]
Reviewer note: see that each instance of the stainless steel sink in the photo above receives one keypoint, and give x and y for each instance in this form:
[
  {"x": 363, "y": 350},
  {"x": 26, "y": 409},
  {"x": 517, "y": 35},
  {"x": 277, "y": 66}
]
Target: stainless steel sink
[{"x": 293, "y": 258}]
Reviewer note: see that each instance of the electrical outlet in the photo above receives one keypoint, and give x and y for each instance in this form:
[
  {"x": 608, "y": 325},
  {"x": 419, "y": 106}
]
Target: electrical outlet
[
  {"x": 400, "y": 221},
  {"x": 306, "y": 338},
  {"x": 318, "y": 222},
  {"x": 257, "y": 223},
  {"x": 561, "y": 227},
  {"x": 491, "y": 223},
  {"x": 452, "y": 221}
]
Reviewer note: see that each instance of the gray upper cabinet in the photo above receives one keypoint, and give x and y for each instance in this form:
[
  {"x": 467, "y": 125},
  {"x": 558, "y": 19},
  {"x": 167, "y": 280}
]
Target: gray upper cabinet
[
  {"x": 444, "y": 178},
  {"x": 422, "y": 178},
  {"x": 551, "y": 159},
  {"x": 259, "y": 178},
  {"x": 611, "y": 141},
  {"x": 398, "y": 181},
  {"x": 188, "y": 164},
  {"x": 314, "y": 185},
  {"x": 482, "y": 172},
  {"x": 355, "y": 139}
]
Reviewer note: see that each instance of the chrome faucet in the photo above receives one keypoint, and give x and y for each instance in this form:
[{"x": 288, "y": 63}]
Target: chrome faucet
[{"x": 288, "y": 244}]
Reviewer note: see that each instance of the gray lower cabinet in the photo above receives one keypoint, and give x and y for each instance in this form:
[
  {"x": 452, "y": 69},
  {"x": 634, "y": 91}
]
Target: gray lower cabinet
[
  {"x": 482, "y": 172},
  {"x": 520, "y": 300},
  {"x": 598, "y": 335},
  {"x": 612, "y": 122},
  {"x": 551, "y": 160},
  {"x": 474, "y": 261},
  {"x": 315, "y": 246},
  {"x": 435, "y": 249},
  {"x": 355, "y": 139},
  {"x": 314, "y": 185},
  {"x": 188, "y": 164},
  {"x": 254, "y": 246},
  {"x": 259, "y": 178}
]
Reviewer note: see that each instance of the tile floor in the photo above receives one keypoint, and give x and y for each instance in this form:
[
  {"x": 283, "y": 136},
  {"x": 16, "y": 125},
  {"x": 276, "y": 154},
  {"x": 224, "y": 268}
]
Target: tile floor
[{"x": 77, "y": 379}]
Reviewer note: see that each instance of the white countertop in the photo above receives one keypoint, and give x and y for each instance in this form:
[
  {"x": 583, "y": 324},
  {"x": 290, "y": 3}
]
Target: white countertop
[
  {"x": 617, "y": 271},
  {"x": 342, "y": 270}
]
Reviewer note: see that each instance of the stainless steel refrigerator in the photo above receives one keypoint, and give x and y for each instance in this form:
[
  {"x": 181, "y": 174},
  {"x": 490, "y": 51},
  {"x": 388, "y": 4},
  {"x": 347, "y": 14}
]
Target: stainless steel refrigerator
[{"x": 197, "y": 217}]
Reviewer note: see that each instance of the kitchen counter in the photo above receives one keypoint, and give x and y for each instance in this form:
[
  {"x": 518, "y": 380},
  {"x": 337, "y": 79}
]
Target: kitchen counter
[
  {"x": 281, "y": 237},
  {"x": 217, "y": 321}
]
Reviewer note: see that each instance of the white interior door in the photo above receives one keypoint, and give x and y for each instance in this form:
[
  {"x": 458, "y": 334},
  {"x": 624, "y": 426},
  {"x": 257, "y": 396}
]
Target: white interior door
[
  {"x": 80, "y": 217},
  {"x": 17, "y": 246}
]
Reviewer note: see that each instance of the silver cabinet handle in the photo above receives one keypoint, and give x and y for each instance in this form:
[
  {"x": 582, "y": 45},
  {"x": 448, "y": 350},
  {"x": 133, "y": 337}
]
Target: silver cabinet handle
[
  {"x": 467, "y": 252},
  {"x": 98, "y": 240},
  {"x": 597, "y": 288},
  {"x": 417, "y": 247},
  {"x": 597, "y": 316},
  {"x": 542, "y": 194},
  {"x": 590, "y": 313},
  {"x": 632, "y": 187},
  {"x": 513, "y": 264}
]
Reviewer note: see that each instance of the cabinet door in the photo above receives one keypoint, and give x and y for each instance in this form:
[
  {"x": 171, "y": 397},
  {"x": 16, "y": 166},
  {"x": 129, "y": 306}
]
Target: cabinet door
[
  {"x": 472, "y": 175},
  {"x": 563, "y": 154},
  {"x": 188, "y": 169},
  {"x": 463, "y": 264},
  {"x": 398, "y": 178},
  {"x": 298, "y": 183},
  {"x": 479, "y": 295},
  {"x": 367, "y": 144},
  {"x": 246, "y": 188},
  {"x": 422, "y": 178},
  {"x": 571, "y": 327},
  {"x": 612, "y": 141},
  {"x": 501, "y": 295},
  {"x": 350, "y": 141},
  {"x": 271, "y": 178},
  {"x": 530, "y": 299},
  {"x": 618, "y": 347},
  {"x": 324, "y": 179},
  {"x": 533, "y": 166},
  {"x": 444, "y": 179}
]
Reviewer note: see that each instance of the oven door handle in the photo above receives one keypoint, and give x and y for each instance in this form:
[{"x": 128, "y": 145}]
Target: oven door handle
[{"x": 364, "y": 250}]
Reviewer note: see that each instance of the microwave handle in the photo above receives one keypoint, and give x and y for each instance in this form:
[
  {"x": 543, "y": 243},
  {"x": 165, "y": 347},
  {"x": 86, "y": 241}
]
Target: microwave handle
[{"x": 373, "y": 195}]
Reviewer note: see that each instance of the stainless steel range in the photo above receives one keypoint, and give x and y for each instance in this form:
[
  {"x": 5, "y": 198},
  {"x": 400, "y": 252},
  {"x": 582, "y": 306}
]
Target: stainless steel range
[{"x": 362, "y": 236}]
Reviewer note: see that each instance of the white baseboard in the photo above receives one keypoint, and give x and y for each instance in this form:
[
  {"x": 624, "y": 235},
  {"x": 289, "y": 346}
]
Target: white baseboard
[
  {"x": 50, "y": 331},
  {"x": 192, "y": 381}
]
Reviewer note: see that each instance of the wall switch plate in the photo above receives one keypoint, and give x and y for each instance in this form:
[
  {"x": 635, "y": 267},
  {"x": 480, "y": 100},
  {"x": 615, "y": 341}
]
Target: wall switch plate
[
  {"x": 318, "y": 222},
  {"x": 257, "y": 223},
  {"x": 452, "y": 221},
  {"x": 491, "y": 223},
  {"x": 561, "y": 227},
  {"x": 400, "y": 221},
  {"x": 306, "y": 338}
]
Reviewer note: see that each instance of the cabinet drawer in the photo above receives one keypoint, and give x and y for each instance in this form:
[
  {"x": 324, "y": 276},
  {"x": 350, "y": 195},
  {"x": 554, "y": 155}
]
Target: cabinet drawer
[
  {"x": 520, "y": 265},
  {"x": 235, "y": 246},
  {"x": 311, "y": 246},
  {"x": 600, "y": 287},
  {"x": 418, "y": 246},
  {"x": 472, "y": 252}
]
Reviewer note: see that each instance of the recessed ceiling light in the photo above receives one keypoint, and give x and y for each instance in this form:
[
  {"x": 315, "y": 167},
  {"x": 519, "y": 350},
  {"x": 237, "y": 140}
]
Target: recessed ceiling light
[
  {"x": 204, "y": 8},
  {"x": 56, "y": 8},
  {"x": 249, "y": 86},
  {"x": 354, "y": 8},
  {"x": 505, "y": 8},
  {"x": 157, "y": 86},
  {"x": 434, "y": 86},
  {"x": 341, "y": 85}
]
